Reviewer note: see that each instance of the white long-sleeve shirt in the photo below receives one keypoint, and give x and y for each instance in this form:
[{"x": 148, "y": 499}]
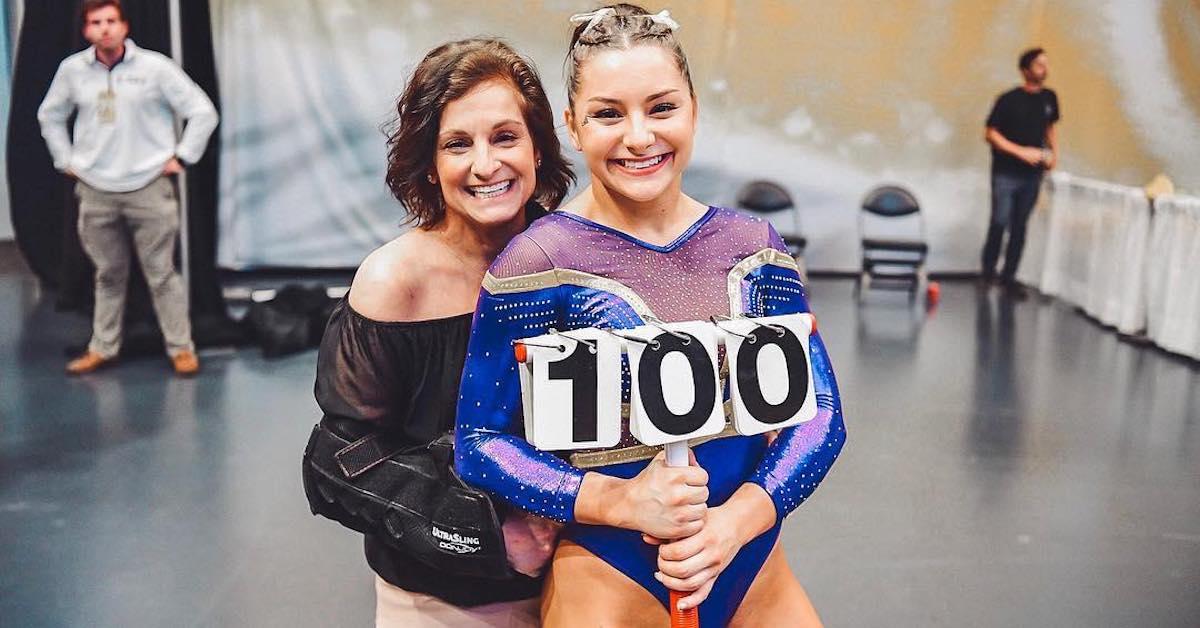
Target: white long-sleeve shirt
[{"x": 124, "y": 132}]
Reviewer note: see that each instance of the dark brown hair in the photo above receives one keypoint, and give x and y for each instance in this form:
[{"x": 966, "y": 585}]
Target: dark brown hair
[
  {"x": 628, "y": 26},
  {"x": 447, "y": 73},
  {"x": 96, "y": 5},
  {"x": 1027, "y": 57}
]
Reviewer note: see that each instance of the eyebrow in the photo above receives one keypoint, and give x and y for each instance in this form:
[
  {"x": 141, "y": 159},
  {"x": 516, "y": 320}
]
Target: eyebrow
[
  {"x": 451, "y": 132},
  {"x": 614, "y": 101}
]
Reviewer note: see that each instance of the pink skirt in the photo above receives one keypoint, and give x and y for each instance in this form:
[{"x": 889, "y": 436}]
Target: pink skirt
[{"x": 397, "y": 608}]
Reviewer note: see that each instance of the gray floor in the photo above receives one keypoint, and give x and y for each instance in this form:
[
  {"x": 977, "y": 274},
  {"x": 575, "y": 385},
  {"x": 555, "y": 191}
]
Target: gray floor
[{"x": 1007, "y": 465}]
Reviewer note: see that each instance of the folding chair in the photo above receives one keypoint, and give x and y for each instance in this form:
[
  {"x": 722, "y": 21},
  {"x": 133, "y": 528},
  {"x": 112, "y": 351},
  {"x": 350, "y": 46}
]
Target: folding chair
[
  {"x": 894, "y": 261},
  {"x": 766, "y": 198}
]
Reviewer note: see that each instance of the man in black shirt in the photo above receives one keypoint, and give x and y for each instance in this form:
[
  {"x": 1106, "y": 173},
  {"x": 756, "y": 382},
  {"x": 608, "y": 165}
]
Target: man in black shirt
[{"x": 1020, "y": 130}]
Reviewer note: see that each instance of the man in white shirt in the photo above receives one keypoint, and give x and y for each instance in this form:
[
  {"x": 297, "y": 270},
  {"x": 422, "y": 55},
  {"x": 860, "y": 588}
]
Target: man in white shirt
[{"x": 124, "y": 151}]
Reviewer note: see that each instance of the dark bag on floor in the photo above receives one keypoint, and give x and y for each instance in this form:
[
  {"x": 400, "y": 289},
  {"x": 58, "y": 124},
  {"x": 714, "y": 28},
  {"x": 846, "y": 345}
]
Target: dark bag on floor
[
  {"x": 293, "y": 321},
  {"x": 410, "y": 498}
]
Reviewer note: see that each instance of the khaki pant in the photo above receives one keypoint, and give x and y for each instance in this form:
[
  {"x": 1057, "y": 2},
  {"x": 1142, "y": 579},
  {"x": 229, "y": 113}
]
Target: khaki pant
[
  {"x": 112, "y": 225},
  {"x": 397, "y": 608}
]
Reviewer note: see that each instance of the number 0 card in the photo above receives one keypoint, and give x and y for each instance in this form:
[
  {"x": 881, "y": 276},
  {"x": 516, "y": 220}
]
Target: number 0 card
[
  {"x": 770, "y": 372},
  {"x": 676, "y": 392}
]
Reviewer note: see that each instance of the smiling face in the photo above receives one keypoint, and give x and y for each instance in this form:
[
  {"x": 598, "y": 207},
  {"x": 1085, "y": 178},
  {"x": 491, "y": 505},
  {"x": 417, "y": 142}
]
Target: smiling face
[
  {"x": 485, "y": 163},
  {"x": 634, "y": 119},
  {"x": 104, "y": 29}
]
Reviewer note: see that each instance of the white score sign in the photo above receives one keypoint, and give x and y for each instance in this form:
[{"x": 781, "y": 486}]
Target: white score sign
[{"x": 571, "y": 381}]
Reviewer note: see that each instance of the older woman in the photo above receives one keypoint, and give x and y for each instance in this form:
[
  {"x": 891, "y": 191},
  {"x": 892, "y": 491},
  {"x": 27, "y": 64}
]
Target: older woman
[{"x": 474, "y": 158}]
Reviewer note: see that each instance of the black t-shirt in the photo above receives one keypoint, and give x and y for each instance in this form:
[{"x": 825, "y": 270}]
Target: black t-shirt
[{"x": 1022, "y": 118}]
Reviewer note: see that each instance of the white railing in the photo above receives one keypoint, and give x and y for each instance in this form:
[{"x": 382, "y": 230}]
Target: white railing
[
  {"x": 1104, "y": 248},
  {"x": 1173, "y": 275}
]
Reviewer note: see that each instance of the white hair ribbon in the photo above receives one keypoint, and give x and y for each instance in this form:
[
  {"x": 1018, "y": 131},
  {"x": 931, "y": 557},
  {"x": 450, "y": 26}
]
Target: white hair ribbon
[
  {"x": 664, "y": 18},
  {"x": 592, "y": 18}
]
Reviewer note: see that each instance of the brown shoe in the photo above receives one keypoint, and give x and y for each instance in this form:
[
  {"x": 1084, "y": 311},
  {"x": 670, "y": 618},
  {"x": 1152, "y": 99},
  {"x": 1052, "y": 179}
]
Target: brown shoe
[
  {"x": 87, "y": 363},
  {"x": 185, "y": 363}
]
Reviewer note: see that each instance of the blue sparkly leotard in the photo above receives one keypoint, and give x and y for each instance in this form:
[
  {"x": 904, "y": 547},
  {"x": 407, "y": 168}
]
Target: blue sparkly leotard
[{"x": 566, "y": 272}]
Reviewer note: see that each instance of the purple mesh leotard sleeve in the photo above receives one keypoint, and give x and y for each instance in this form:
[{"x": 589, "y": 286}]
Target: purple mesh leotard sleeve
[
  {"x": 801, "y": 456},
  {"x": 490, "y": 451}
]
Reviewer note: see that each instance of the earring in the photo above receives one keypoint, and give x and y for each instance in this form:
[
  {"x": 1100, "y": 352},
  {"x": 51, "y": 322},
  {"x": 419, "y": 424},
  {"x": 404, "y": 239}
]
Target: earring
[
  {"x": 537, "y": 163},
  {"x": 431, "y": 178}
]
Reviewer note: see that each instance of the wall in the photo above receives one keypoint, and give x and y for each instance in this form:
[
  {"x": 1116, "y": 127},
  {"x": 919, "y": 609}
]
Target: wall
[{"x": 829, "y": 99}]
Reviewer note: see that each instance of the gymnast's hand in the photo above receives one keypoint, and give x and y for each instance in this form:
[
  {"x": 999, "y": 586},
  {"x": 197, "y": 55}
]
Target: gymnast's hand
[
  {"x": 661, "y": 501},
  {"x": 666, "y": 502},
  {"x": 693, "y": 564}
]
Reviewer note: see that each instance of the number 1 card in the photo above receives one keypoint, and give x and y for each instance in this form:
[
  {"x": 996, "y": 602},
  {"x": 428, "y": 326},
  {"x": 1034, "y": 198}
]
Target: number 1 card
[{"x": 571, "y": 390}]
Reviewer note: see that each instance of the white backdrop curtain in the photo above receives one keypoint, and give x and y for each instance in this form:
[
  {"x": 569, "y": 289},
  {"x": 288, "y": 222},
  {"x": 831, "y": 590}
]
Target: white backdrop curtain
[
  {"x": 306, "y": 84},
  {"x": 305, "y": 88}
]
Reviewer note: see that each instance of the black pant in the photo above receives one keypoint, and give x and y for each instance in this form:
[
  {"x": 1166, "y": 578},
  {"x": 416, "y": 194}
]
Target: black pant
[{"x": 1013, "y": 198}]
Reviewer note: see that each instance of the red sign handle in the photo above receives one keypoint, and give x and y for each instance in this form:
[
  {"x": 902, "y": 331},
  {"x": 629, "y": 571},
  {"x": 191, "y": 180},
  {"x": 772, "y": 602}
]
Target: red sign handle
[{"x": 677, "y": 456}]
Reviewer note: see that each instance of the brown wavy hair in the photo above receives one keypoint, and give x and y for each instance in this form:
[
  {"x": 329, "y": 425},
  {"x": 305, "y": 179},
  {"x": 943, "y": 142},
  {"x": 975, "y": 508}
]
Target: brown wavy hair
[{"x": 448, "y": 72}]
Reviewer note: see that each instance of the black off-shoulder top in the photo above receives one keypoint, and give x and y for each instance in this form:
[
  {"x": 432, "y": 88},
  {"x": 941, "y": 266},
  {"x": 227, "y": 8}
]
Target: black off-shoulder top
[{"x": 402, "y": 378}]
